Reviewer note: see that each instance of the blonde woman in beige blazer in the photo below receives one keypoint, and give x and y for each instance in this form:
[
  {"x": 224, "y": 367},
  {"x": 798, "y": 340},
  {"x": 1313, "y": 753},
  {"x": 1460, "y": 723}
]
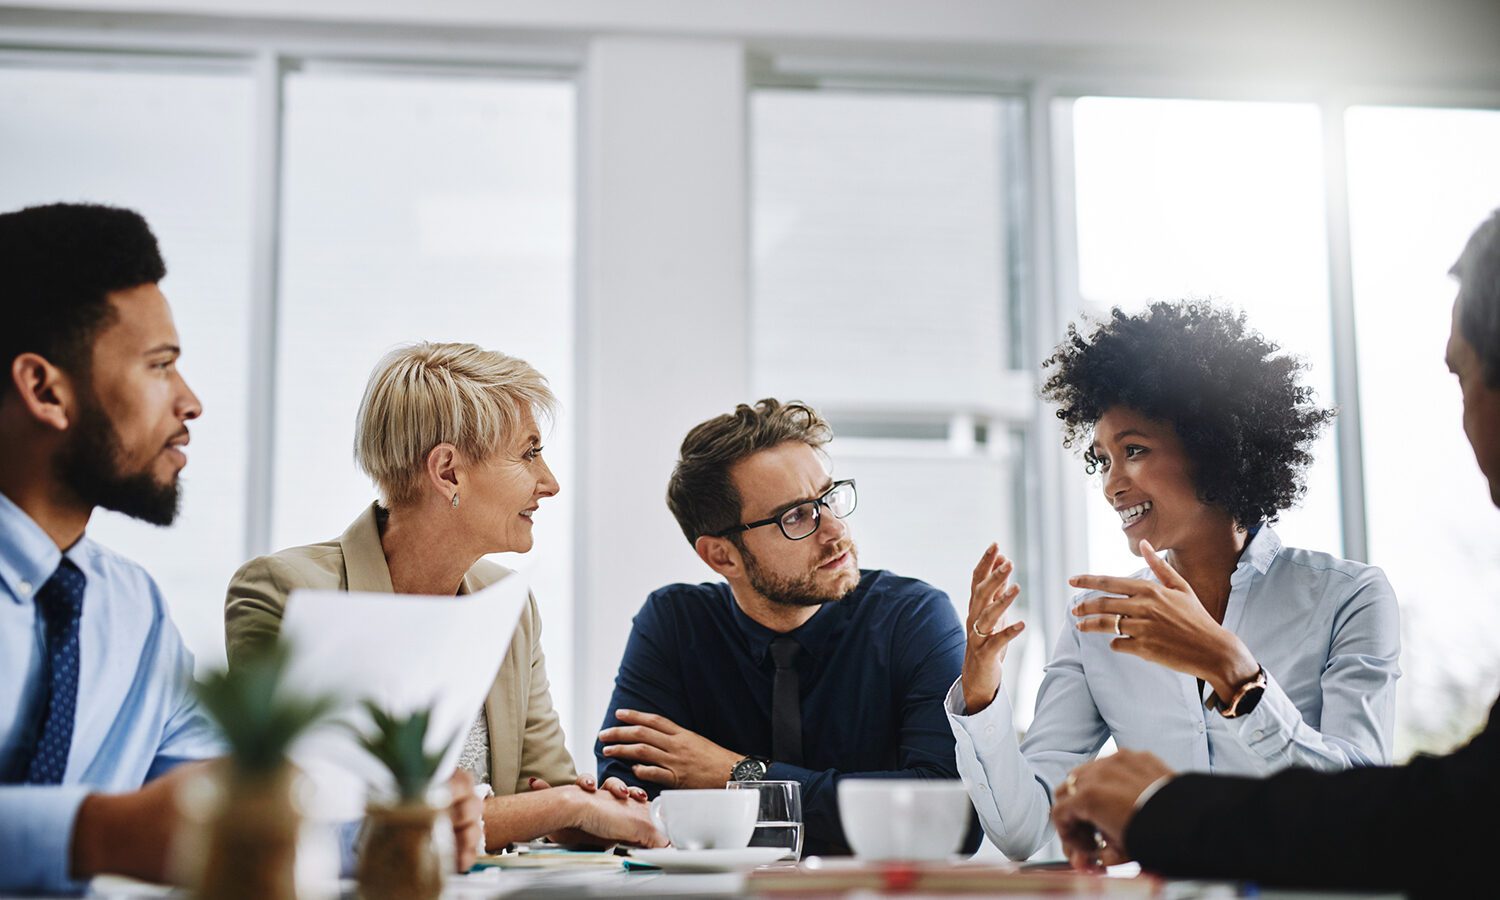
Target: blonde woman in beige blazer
[{"x": 448, "y": 433}]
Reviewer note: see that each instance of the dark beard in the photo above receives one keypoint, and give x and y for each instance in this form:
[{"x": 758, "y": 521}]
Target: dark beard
[
  {"x": 784, "y": 591},
  {"x": 89, "y": 465}
]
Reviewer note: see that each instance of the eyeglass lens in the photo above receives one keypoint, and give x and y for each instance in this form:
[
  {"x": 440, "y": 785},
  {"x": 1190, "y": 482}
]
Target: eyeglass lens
[{"x": 802, "y": 519}]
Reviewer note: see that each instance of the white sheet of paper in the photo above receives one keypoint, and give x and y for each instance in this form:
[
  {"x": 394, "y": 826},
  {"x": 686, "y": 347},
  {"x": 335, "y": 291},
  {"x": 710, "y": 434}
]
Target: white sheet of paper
[{"x": 402, "y": 652}]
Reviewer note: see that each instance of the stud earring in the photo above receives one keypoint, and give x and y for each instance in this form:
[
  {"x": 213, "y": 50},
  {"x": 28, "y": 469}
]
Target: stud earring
[{"x": 455, "y": 501}]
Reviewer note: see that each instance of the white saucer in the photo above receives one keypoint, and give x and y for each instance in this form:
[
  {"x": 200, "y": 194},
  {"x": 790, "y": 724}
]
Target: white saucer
[{"x": 674, "y": 860}]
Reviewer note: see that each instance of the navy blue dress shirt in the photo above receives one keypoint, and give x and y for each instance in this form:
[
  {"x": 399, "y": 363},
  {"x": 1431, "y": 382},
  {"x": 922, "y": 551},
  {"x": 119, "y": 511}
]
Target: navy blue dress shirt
[{"x": 873, "y": 671}]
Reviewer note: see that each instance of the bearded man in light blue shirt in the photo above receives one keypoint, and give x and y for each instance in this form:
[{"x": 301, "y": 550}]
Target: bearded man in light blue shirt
[{"x": 94, "y": 678}]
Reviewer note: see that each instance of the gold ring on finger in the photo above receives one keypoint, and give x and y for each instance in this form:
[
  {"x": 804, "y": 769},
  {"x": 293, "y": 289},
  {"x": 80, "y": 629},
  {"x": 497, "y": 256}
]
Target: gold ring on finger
[
  {"x": 984, "y": 633},
  {"x": 1118, "y": 619}
]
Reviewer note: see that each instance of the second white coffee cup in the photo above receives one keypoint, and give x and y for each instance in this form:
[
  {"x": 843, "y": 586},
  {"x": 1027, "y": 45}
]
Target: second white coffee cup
[
  {"x": 917, "y": 819},
  {"x": 711, "y": 819}
]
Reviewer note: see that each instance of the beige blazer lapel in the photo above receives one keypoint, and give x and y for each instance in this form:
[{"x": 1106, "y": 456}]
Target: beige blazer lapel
[{"x": 365, "y": 568}]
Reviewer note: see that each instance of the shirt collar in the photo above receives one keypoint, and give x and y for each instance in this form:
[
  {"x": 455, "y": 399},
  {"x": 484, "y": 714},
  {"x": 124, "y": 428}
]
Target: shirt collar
[
  {"x": 1261, "y": 550},
  {"x": 816, "y": 635},
  {"x": 28, "y": 556}
]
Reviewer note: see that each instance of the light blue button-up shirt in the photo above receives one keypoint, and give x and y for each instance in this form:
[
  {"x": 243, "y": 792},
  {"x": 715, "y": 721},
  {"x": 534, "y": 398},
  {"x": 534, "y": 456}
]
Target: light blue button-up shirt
[
  {"x": 1327, "y": 632},
  {"x": 135, "y": 717}
]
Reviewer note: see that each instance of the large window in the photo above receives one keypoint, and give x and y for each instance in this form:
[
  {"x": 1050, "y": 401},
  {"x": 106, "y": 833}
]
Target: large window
[
  {"x": 884, "y": 295},
  {"x": 1223, "y": 201},
  {"x": 175, "y": 145},
  {"x": 1420, "y": 180}
]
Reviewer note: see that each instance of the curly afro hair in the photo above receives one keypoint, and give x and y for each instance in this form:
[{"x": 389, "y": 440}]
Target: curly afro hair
[{"x": 1244, "y": 421}]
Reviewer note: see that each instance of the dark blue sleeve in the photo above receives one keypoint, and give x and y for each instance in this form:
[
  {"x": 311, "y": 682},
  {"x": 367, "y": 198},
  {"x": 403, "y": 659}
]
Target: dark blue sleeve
[
  {"x": 649, "y": 680},
  {"x": 929, "y": 658}
]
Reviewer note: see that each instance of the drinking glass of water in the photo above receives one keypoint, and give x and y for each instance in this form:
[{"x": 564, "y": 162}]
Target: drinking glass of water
[{"x": 779, "y": 823}]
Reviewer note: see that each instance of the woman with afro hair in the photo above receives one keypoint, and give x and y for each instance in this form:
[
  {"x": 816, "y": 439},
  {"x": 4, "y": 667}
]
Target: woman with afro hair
[{"x": 1228, "y": 652}]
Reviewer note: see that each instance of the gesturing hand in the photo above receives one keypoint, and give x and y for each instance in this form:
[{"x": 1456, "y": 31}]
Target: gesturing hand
[
  {"x": 990, "y": 595},
  {"x": 665, "y": 753},
  {"x": 1093, "y": 807},
  {"x": 1165, "y": 623}
]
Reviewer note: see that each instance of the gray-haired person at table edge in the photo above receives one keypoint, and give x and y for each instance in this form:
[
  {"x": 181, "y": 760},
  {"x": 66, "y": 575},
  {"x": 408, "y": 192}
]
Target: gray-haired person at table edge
[
  {"x": 797, "y": 666},
  {"x": 449, "y": 434},
  {"x": 1427, "y": 828},
  {"x": 1234, "y": 653},
  {"x": 97, "y": 721}
]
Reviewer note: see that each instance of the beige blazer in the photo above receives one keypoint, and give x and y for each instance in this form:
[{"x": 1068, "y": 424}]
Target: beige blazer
[{"x": 526, "y": 738}]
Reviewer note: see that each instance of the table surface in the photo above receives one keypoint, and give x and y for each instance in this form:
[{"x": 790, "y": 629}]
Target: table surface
[{"x": 575, "y": 883}]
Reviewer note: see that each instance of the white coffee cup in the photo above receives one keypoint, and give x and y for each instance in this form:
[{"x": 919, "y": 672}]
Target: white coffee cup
[
  {"x": 906, "y": 819},
  {"x": 712, "y": 819}
]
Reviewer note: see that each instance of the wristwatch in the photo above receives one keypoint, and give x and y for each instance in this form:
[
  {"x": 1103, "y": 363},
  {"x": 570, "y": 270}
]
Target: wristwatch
[
  {"x": 749, "y": 769},
  {"x": 1244, "y": 700}
]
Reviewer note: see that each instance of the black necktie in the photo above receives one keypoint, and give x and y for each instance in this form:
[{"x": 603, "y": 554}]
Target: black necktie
[
  {"x": 786, "y": 703},
  {"x": 59, "y": 602}
]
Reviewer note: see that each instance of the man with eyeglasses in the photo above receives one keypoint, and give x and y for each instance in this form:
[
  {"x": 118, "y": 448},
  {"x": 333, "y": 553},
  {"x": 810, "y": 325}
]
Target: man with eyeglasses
[{"x": 799, "y": 666}]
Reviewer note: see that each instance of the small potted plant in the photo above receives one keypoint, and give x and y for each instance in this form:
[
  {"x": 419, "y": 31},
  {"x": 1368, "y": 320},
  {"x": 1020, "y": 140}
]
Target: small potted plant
[
  {"x": 253, "y": 825},
  {"x": 398, "y": 859}
]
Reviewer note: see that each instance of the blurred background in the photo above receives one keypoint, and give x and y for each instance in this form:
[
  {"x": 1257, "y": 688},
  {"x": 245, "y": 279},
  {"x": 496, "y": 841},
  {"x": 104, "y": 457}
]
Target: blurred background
[{"x": 888, "y": 209}]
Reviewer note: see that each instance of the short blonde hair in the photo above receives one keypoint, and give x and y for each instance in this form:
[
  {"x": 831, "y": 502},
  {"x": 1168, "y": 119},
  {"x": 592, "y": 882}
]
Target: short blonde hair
[{"x": 425, "y": 394}]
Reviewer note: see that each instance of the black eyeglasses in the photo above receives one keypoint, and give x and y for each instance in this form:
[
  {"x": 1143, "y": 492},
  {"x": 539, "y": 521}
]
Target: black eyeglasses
[{"x": 802, "y": 520}]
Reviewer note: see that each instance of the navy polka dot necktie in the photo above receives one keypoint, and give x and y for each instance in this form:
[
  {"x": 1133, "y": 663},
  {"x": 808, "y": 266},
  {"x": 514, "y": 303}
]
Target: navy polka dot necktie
[{"x": 59, "y": 602}]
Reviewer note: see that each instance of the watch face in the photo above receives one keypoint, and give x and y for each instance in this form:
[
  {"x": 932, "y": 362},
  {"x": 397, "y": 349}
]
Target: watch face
[
  {"x": 1248, "y": 702},
  {"x": 749, "y": 770}
]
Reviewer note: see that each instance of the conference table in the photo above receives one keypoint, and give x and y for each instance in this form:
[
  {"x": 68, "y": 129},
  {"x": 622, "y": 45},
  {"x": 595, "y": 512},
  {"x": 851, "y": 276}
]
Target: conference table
[{"x": 787, "y": 881}]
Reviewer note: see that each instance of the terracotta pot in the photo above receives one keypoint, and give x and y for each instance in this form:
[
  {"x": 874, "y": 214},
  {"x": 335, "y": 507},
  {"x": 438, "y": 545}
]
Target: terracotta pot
[
  {"x": 398, "y": 859},
  {"x": 252, "y": 841}
]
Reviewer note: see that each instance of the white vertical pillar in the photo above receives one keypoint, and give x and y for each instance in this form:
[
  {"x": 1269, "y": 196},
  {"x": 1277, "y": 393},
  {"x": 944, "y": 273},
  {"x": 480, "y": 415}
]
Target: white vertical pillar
[
  {"x": 260, "y": 477},
  {"x": 1345, "y": 347},
  {"x": 663, "y": 341}
]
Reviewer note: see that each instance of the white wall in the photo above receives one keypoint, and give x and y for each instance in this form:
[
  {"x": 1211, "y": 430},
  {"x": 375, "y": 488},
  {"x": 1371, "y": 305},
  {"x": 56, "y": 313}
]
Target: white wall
[{"x": 1437, "y": 41}]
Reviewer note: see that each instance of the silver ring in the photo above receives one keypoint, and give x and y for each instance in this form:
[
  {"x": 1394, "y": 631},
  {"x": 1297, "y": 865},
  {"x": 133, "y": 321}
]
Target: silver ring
[
  {"x": 1118, "y": 618},
  {"x": 975, "y": 629}
]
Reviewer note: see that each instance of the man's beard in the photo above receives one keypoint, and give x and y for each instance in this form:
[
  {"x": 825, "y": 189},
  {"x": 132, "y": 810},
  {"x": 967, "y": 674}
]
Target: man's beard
[
  {"x": 788, "y": 591},
  {"x": 89, "y": 465}
]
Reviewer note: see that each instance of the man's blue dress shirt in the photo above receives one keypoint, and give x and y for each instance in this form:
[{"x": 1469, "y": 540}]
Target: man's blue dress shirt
[
  {"x": 872, "y": 673},
  {"x": 135, "y": 717}
]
